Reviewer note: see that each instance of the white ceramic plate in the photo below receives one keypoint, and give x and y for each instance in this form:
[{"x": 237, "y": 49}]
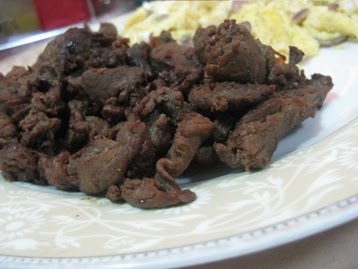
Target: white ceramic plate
[{"x": 311, "y": 185}]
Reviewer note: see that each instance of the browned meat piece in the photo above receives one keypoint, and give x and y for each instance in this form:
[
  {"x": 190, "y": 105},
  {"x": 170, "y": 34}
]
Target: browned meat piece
[
  {"x": 49, "y": 102},
  {"x": 108, "y": 30},
  {"x": 139, "y": 55},
  {"x": 101, "y": 84},
  {"x": 204, "y": 39},
  {"x": 54, "y": 171},
  {"x": 171, "y": 103},
  {"x": 77, "y": 49},
  {"x": 102, "y": 163},
  {"x": 8, "y": 130},
  {"x": 114, "y": 194},
  {"x": 19, "y": 163},
  {"x": 99, "y": 128},
  {"x": 229, "y": 53},
  {"x": 177, "y": 65},
  {"x": 161, "y": 133},
  {"x": 15, "y": 93},
  {"x": 284, "y": 75},
  {"x": 256, "y": 135},
  {"x": 143, "y": 162},
  {"x": 77, "y": 130},
  {"x": 82, "y": 129},
  {"x": 149, "y": 193},
  {"x": 190, "y": 134},
  {"x": 232, "y": 96},
  {"x": 223, "y": 124},
  {"x": 38, "y": 131},
  {"x": 113, "y": 111},
  {"x": 232, "y": 54},
  {"x": 205, "y": 156},
  {"x": 295, "y": 55}
]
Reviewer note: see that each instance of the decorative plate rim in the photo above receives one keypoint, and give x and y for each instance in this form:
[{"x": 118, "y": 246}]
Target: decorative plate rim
[{"x": 260, "y": 239}]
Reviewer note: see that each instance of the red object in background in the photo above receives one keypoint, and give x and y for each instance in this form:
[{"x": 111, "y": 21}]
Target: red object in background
[{"x": 58, "y": 13}]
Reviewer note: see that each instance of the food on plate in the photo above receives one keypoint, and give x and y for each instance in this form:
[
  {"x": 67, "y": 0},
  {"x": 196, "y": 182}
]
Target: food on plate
[
  {"x": 96, "y": 115},
  {"x": 306, "y": 24},
  {"x": 303, "y": 24},
  {"x": 181, "y": 19}
]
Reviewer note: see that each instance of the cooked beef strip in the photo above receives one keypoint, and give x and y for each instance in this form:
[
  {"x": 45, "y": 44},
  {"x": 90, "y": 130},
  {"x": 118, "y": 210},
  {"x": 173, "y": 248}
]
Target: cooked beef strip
[
  {"x": 143, "y": 162},
  {"x": 171, "y": 103},
  {"x": 256, "y": 135},
  {"x": 223, "y": 124},
  {"x": 231, "y": 96},
  {"x": 177, "y": 65},
  {"x": 54, "y": 171},
  {"x": 8, "y": 130},
  {"x": 113, "y": 111},
  {"x": 102, "y": 163},
  {"x": 229, "y": 51},
  {"x": 114, "y": 194},
  {"x": 15, "y": 93},
  {"x": 205, "y": 156},
  {"x": 99, "y": 84},
  {"x": 38, "y": 131},
  {"x": 77, "y": 130},
  {"x": 161, "y": 132},
  {"x": 149, "y": 193},
  {"x": 48, "y": 102},
  {"x": 284, "y": 75},
  {"x": 19, "y": 163},
  {"x": 78, "y": 49},
  {"x": 190, "y": 134},
  {"x": 139, "y": 55},
  {"x": 108, "y": 30}
]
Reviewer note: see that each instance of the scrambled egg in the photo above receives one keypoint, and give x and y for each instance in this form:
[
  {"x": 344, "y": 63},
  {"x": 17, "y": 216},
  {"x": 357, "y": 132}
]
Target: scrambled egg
[
  {"x": 181, "y": 18},
  {"x": 306, "y": 24}
]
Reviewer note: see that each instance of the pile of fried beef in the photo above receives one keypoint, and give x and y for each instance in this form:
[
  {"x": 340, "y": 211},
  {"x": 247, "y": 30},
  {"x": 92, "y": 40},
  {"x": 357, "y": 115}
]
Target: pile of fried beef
[{"x": 96, "y": 115}]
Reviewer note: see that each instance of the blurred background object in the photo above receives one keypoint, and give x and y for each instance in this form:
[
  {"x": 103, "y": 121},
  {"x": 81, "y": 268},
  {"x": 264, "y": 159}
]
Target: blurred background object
[
  {"x": 26, "y": 21},
  {"x": 17, "y": 17},
  {"x": 53, "y": 14}
]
